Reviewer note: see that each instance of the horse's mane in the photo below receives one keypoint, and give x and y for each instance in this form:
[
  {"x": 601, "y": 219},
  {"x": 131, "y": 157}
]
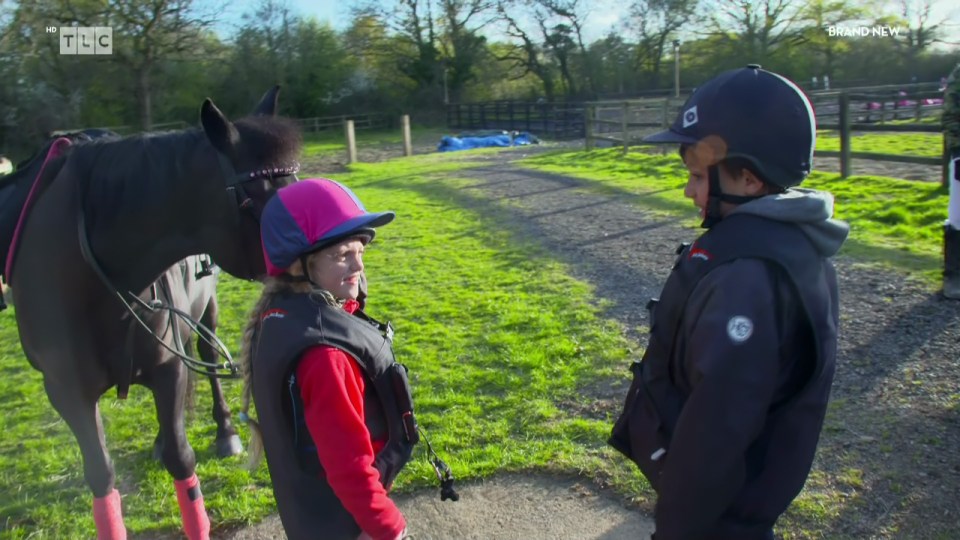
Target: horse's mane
[{"x": 120, "y": 175}]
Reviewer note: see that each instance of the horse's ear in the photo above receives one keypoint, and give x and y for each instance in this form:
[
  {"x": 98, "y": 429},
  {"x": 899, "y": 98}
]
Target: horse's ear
[
  {"x": 221, "y": 132},
  {"x": 268, "y": 103}
]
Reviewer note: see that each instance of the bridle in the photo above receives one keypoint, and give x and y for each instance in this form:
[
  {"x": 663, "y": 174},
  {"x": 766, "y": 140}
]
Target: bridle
[
  {"x": 237, "y": 192},
  {"x": 235, "y": 184}
]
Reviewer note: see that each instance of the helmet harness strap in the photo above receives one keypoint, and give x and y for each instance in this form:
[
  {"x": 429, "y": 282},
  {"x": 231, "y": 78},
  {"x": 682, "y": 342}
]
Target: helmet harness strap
[
  {"x": 306, "y": 272},
  {"x": 715, "y": 196}
]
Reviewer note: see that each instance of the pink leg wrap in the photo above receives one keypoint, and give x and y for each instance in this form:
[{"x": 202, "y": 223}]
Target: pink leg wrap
[
  {"x": 195, "y": 521},
  {"x": 108, "y": 517}
]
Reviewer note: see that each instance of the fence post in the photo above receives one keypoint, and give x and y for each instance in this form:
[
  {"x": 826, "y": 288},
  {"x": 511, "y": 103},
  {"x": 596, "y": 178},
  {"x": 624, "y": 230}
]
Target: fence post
[
  {"x": 917, "y": 108},
  {"x": 945, "y": 174},
  {"x": 665, "y": 123},
  {"x": 543, "y": 118},
  {"x": 407, "y": 144},
  {"x": 844, "y": 135},
  {"x": 588, "y": 125},
  {"x": 351, "y": 142},
  {"x": 623, "y": 125}
]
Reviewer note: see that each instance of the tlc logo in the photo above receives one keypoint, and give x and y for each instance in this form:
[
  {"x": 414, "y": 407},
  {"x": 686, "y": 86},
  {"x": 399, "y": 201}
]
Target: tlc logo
[{"x": 84, "y": 39}]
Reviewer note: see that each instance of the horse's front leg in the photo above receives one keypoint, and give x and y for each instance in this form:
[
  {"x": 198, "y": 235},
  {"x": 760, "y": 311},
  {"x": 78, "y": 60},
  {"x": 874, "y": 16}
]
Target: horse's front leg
[
  {"x": 227, "y": 442},
  {"x": 81, "y": 413},
  {"x": 168, "y": 381}
]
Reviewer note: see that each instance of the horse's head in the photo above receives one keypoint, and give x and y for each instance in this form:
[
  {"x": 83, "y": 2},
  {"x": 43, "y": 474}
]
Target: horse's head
[{"x": 258, "y": 155}]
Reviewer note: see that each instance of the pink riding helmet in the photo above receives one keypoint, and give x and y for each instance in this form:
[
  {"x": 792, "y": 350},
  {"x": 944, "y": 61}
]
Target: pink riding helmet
[{"x": 309, "y": 215}]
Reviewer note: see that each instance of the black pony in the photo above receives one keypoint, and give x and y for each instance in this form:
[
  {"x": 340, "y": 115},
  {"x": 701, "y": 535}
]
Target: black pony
[{"x": 111, "y": 216}]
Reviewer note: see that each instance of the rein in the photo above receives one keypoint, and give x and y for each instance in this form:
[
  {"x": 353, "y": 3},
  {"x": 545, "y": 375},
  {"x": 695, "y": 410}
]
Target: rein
[{"x": 228, "y": 369}]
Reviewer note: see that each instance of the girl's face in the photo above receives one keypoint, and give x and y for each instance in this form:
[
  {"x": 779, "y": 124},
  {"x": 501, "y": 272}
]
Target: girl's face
[{"x": 337, "y": 268}]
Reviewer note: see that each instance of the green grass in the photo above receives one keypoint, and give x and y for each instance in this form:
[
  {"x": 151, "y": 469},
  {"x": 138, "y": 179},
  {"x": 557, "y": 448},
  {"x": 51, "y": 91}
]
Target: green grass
[
  {"x": 910, "y": 144},
  {"x": 895, "y": 223},
  {"x": 497, "y": 336},
  {"x": 333, "y": 141}
]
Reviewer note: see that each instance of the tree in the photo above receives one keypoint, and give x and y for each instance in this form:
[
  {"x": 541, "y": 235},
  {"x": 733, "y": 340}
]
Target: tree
[
  {"x": 656, "y": 24},
  {"x": 819, "y": 15},
  {"x": 566, "y": 41},
  {"x": 147, "y": 32},
  {"x": 922, "y": 30},
  {"x": 462, "y": 46},
  {"x": 524, "y": 54},
  {"x": 559, "y": 42},
  {"x": 754, "y": 29}
]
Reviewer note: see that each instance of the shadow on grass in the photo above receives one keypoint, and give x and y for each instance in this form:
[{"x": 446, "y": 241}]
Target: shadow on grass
[
  {"x": 648, "y": 199},
  {"x": 624, "y": 287},
  {"x": 897, "y": 258}
]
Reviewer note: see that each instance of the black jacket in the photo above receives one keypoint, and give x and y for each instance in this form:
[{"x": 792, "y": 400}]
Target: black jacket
[
  {"x": 291, "y": 324},
  {"x": 727, "y": 405}
]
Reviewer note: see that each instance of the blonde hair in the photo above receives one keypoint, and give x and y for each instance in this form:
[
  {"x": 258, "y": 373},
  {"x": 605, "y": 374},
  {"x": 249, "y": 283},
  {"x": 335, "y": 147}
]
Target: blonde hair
[{"x": 272, "y": 287}]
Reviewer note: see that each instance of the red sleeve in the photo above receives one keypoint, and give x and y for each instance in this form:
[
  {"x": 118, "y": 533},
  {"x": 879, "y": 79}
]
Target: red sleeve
[{"x": 331, "y": 385}]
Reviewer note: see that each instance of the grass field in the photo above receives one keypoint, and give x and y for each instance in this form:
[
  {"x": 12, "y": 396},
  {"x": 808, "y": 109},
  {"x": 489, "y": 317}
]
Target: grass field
[
  {"x": 911, "y": 144},
  {"x": 334, "y": 141},
  {"x": 894, "y": 222},
  {"x": 497, "y": 335}
]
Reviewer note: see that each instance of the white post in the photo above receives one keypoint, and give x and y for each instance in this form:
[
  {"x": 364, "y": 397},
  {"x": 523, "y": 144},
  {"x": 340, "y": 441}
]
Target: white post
[
  {"x": 351, "y": 142},
  {"x": 407, "y": 143},
  {"x": 676, "y": 68}
]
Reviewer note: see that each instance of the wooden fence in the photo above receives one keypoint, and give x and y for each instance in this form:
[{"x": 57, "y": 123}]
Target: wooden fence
[
  {"x": 870, "y": 109},
  {"x": 558, "y": 120},
  {"x": 624, "y": 123},
  {"x": 360, "y": 121},
  {"x": 867, "y": 112},
  {"x": 320, "y": 123}
]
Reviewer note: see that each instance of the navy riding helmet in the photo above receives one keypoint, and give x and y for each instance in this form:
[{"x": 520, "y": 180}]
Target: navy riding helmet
[{"x": 752, "y": 114}]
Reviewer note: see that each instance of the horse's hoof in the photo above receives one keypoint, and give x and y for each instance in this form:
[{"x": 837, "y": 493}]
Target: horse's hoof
[{"x": 229, "y": 446}]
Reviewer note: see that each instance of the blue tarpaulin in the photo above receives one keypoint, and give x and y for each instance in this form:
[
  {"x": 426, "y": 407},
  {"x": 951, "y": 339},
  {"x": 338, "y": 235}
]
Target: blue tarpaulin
[{"x": 451, "y": 144}]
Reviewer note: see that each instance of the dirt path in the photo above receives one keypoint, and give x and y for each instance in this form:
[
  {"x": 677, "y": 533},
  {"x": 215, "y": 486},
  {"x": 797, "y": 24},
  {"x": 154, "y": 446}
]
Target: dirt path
[
  {"x": 887, "y": 465},
  {"x": 507, "y": 507}
]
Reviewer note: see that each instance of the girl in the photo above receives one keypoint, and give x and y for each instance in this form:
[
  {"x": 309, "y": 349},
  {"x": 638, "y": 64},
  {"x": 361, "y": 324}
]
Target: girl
[{"x": 335, "y": 411}]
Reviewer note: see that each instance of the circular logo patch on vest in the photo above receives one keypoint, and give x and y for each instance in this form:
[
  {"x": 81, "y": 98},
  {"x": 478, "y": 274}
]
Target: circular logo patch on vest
[{"x": 739, "y": 328}]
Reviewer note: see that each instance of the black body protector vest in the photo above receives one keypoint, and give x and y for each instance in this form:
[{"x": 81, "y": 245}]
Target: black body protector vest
[
  {"x": 289, "y": 325},
  {"x": 654, "y": 402}
]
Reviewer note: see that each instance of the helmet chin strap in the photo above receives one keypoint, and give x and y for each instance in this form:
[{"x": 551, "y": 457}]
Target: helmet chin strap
[
  {"x": 305, "y": 277},
  {"x": 715, "y": 196}
]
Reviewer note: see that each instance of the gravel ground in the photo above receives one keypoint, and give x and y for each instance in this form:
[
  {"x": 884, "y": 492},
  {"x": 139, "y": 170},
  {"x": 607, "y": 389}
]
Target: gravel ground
[{"x": 887, "y": 465}]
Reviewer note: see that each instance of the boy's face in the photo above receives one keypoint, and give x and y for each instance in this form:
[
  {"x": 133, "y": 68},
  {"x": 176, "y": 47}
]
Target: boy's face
[{"x": 743, "y": 183}]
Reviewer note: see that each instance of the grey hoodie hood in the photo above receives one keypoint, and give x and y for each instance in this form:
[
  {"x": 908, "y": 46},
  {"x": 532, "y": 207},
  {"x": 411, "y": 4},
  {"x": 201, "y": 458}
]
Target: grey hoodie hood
[{"x": 811, "y": 210}]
